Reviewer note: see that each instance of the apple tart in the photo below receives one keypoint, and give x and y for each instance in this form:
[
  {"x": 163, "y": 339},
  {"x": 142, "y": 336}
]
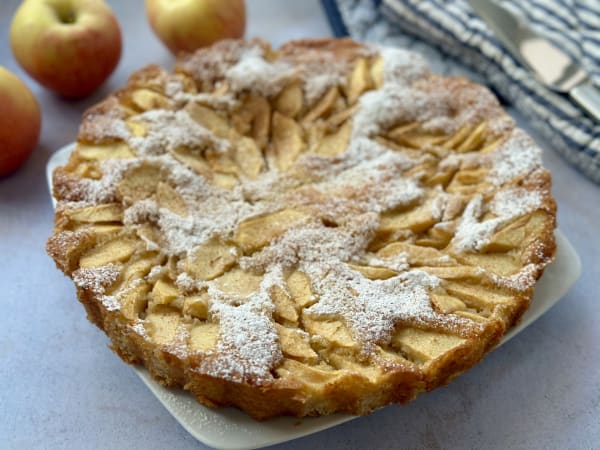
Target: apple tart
[{"x": 324, "y": 227}]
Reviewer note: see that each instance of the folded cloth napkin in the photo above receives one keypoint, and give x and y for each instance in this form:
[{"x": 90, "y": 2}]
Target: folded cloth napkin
[{"x": 448, "y": 30}]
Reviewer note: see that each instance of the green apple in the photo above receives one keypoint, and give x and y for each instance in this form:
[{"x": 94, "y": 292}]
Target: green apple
[
  {"x": 186, "y": 25},
  {"x": 68, "y": 46},
  {"x": 20, "y": 122}
]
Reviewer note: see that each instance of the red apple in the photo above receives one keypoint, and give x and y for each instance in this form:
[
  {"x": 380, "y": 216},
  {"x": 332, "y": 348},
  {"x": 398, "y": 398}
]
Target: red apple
[
  {"x": 68, "y": 46},
  {"x": 186, "y": 25},
  {"x": 20, "y": 122}
]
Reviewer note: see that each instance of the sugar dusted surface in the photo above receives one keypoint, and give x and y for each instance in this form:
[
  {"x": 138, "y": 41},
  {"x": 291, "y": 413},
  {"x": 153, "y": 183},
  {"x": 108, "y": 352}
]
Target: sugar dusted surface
[
  {"x": 168, "y": 130},
  {"x": 521, "y": 281},
  {"x": 248, "y": 342},
  {"x": 402, "y": 66},
  {"x": 517, "y": 157},
  {"x": 372, "y": 308},
  {"x": 96, "y": 279},
  {"x": 252, "y": 72},
  {"x": 473, "y": 233},
  {"x": 398, "y": 262},
  {"x": 316, "y": 85},
  {"x": 343, "y": 198}
]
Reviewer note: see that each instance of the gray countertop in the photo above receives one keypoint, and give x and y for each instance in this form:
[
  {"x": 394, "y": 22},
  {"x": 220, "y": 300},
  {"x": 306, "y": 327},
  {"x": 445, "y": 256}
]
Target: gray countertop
[{"x": 63, "y": 388}]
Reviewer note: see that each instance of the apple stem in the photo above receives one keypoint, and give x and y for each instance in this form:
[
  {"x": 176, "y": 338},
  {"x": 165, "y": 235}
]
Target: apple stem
[{"x": 66, "y": 14}]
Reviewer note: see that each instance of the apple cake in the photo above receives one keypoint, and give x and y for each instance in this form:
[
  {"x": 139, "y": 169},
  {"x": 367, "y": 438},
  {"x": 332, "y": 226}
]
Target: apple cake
[{"x": 324, "y": 227}]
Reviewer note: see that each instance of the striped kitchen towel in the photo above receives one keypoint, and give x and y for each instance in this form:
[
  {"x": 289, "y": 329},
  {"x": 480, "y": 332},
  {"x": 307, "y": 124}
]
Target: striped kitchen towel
[{"x": 447, "y": 31}]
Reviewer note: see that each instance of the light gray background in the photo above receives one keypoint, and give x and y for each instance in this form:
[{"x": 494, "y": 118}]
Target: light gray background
[{"x": 61, "y": 387}]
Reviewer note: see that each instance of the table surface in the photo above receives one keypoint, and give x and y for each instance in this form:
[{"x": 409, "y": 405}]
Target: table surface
[{"x": 63, "y": 388}]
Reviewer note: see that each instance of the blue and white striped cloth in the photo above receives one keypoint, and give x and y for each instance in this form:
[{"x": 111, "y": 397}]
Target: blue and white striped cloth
[{"x": 449, "y": 30}]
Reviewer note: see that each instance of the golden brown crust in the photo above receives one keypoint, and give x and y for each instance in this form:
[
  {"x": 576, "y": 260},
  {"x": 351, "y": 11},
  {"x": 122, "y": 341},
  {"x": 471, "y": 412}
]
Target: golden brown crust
[{"x": 457, "y": 209}]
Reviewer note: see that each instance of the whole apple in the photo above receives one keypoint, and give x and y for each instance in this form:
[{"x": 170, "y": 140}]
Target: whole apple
[
  {"x": 186, "y": 25},
  {"x": 20, "y": 122},
  {"x": 68, "y": 46}
]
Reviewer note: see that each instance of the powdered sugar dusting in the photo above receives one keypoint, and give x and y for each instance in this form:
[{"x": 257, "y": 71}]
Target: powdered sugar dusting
[
  {"x": 105, "y": 123},
  {"x": 313, "y": 247},
  {"x": 402, "y": 99},
  {"x": 168, "y": 130},
  {"x": 185, "y": 282},
  {"x": 521, "y": 281},
  {"x": 380, "y": 188},
  {"x": 96, "y": 279},
  {"x": 210, "y": 64},
  {"x": 397, "y": 262},
  {"x": 105, "y": 127},
  {"x": 176, "y": 90},
  {"x": 248, "y": 347},
  {"x": 184, "y": 233},
  {"x": 473, "y": 234},
  {"x": 401, "y": 65},
  {"x": 252, "y": 72},
  {"x": 393, "y": 103},
  {"x": 439, "y": 205},
  {"x": 112, "y": 302},
  {"x": 155, "y": 273},
  {"x": 515, "y": 202},
  {"x": 213, "y": 218},
  {"x": 371, "y": 308},
  {"x": 141, "y": 211},
  {"x": 139, "y": 328},
  {"x": 315, "y": 86},
  {"x": 96, "y": 191},
  {"x": 360, "y": 150},
  {"x": 517, "y": 157},
  {"x": 318, "y": 69}
]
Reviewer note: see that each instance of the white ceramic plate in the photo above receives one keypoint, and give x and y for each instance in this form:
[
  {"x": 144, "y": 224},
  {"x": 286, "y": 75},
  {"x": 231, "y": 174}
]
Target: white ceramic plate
[{"x": 231, "y": 429}]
